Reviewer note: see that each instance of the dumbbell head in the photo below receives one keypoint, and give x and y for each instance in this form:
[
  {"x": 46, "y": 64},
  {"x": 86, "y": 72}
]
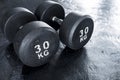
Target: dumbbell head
[
  {"x": 75, "y": 30},
  {"x": 36, "y": 43},
  {"x": 48, "y": 9},
  {"x": 16, "y": 18}
]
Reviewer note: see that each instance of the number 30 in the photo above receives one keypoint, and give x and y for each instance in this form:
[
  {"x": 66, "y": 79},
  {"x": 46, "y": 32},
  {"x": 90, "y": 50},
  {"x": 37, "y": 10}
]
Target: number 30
[{"x": 46, "y": 45}]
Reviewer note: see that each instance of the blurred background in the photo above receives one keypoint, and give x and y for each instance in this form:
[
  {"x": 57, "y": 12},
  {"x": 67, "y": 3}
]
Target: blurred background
[{"x": 98, "y": 60}]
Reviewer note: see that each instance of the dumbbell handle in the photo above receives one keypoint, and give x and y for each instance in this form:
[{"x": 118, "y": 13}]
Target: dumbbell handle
[
  {"x": 55, "y": 19},
  {"x": 59, "y": 21}
]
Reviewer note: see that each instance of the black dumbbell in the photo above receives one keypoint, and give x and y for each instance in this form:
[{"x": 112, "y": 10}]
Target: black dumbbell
[
  {"x": 35, "y": 42},
  {"x": 75, "y": 30}
]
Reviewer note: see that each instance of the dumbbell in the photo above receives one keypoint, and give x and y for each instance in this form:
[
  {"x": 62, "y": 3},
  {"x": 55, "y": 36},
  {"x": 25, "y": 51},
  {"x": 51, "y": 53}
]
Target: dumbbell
[
  {"x": 35, "y": 42},
  {"x": 75, "y": 30}
]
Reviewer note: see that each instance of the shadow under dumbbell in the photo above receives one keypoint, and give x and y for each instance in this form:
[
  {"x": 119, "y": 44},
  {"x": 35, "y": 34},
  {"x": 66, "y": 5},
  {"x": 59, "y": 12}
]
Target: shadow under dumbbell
[{"x": 70, "y": 63}]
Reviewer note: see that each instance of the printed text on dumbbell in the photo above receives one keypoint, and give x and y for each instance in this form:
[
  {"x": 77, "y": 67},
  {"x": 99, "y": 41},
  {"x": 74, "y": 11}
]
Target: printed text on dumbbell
[
  {"x": 83, "y": 34},
  {"x": 45, "y": 52}
]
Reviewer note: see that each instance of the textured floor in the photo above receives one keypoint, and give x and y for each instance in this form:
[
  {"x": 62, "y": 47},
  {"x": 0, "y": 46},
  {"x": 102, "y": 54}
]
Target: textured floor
[{"x": 98, "y": 60}]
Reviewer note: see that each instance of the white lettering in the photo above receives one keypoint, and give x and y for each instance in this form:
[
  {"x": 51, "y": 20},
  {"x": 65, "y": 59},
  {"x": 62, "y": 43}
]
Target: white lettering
[{"x": 45, "y": 52}]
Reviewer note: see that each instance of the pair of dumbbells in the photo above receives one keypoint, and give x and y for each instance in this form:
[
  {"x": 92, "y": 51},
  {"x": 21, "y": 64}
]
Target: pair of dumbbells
[{"x": 35, "y": 42}]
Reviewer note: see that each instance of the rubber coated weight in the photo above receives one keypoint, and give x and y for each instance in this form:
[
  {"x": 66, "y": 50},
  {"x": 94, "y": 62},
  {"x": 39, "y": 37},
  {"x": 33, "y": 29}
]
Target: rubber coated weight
[
  {"x": 76, "y": 30},
  {"x": 36, "y": 43},
  {"x": 16, "y": 18},
  {"x": 49, "y": 9}
]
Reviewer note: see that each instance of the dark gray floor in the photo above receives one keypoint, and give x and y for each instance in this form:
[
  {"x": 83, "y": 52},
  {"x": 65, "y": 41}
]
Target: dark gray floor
[{"x": 98, "y": 60}]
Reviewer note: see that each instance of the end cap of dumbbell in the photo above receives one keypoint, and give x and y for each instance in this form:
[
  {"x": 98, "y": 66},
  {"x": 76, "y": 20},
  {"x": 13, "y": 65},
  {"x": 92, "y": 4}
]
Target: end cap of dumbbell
[
  {"x": 76, "y": 30},
  {"x": 36, "y": 43},
  {"x": 15, "y": 19},
  {"x": 47, "y": 10}
]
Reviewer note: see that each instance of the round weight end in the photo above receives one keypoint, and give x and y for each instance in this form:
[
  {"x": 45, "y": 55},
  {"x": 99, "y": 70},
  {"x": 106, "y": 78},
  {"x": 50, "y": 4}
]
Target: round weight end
[
  {"x": 39, "y": 45},
  {"x": 78, "y": 30},
  {"x": 82, "y": 33},
  {"x": 17, "y": 18},
  {"x": 49, "y": 9}
]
